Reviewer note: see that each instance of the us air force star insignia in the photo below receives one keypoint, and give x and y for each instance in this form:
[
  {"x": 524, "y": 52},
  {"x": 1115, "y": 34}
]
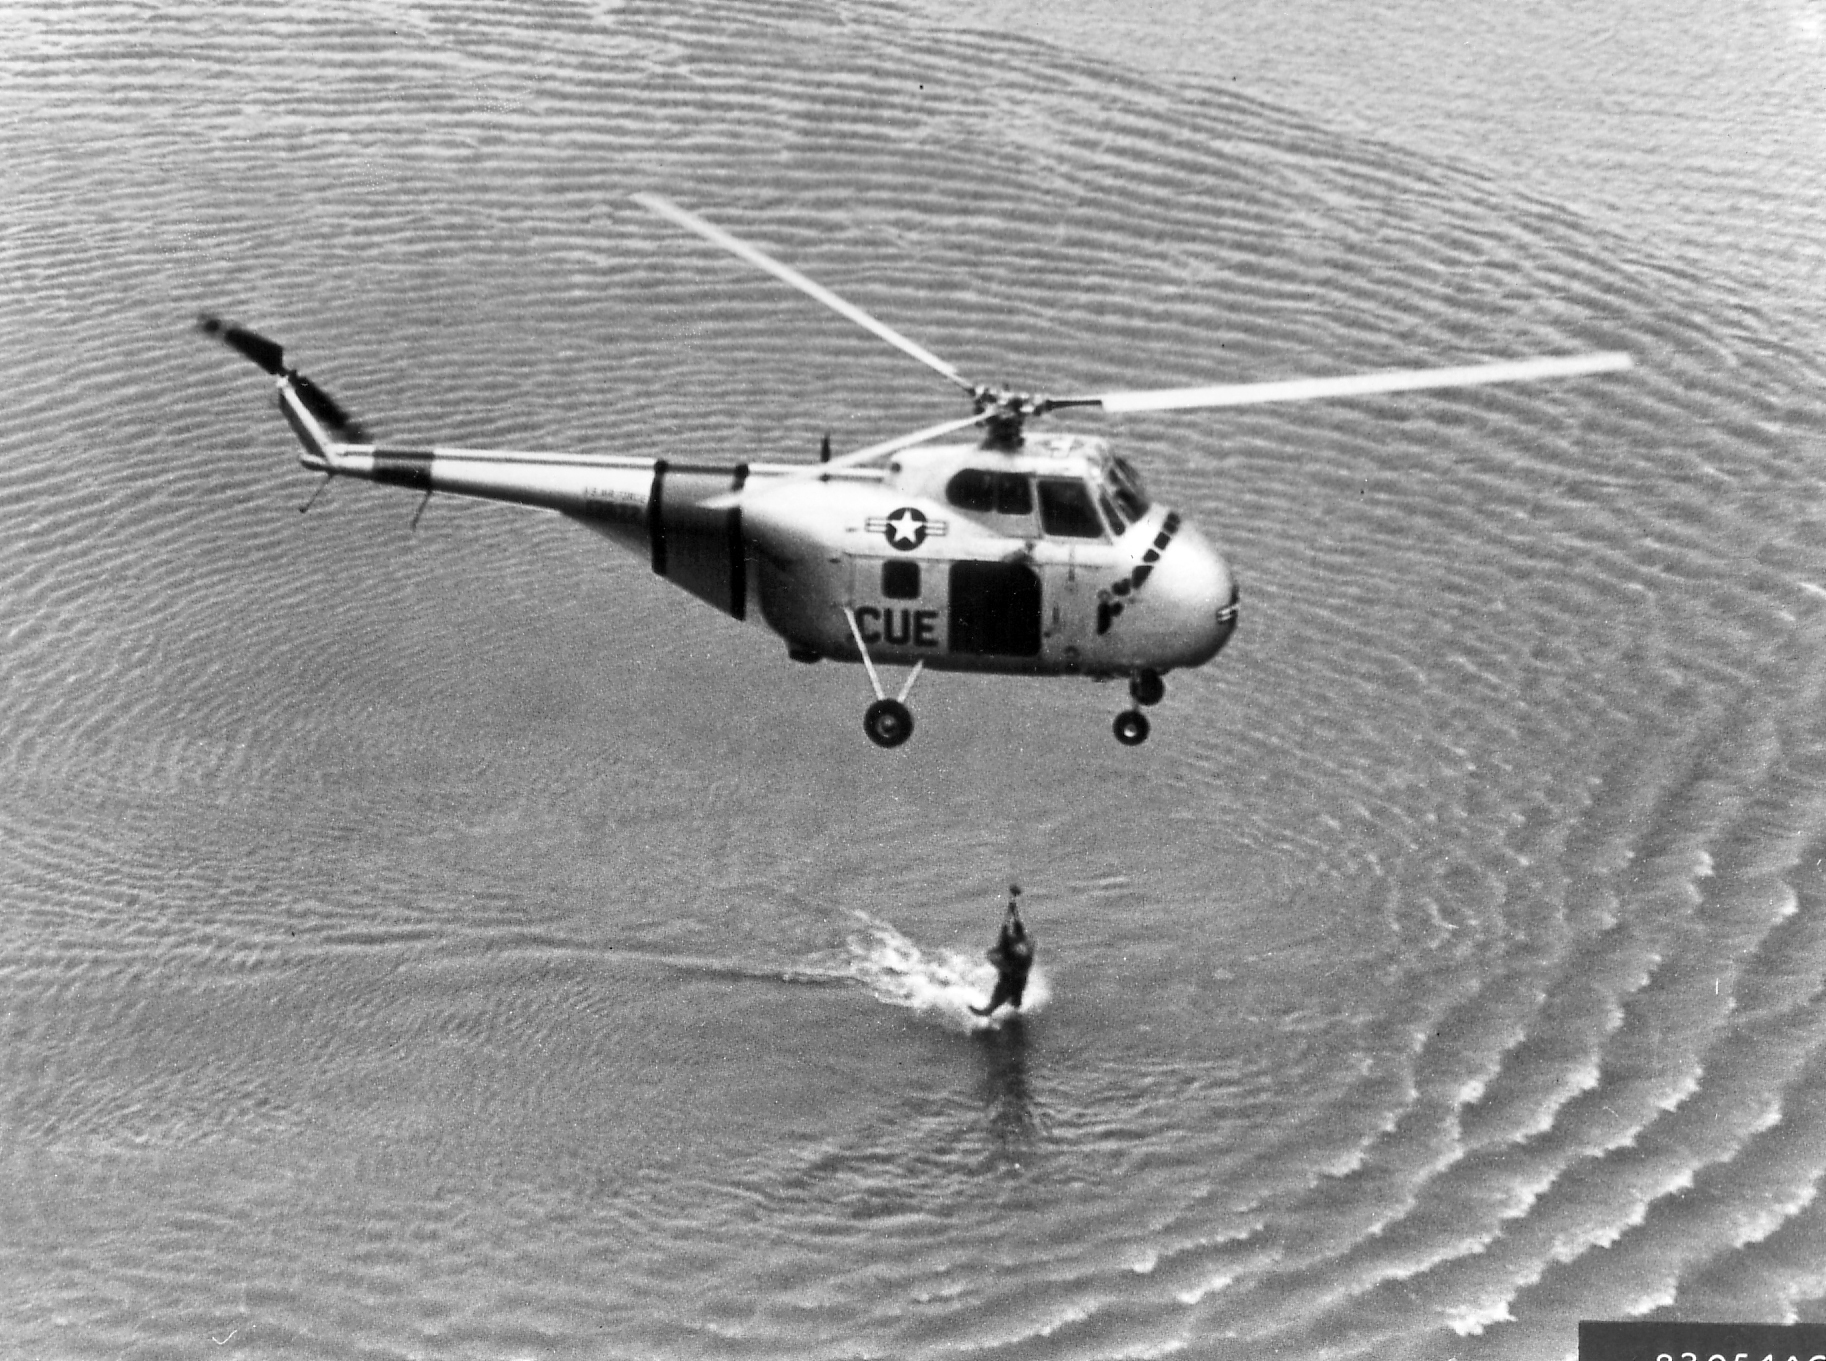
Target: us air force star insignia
[{"x": 906, "y": 528}]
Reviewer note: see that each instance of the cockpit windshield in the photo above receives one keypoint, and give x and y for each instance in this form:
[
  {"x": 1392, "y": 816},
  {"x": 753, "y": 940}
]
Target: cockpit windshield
[
  {"x": 1066, "y": 509},
  {"x": 1118, "y": 525},
  {"x": 1125, "y": 488}
]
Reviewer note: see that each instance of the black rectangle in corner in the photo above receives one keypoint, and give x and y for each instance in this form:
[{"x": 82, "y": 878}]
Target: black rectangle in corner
[{"x": 1661, "y": 1340}]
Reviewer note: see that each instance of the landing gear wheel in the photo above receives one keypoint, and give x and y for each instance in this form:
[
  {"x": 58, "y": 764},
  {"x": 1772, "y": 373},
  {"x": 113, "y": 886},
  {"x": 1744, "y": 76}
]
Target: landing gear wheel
[
  {"x": 1147, "y": 687},
  {"x": 1131, "y": 727},
  {"x": 888, "y": 723}
]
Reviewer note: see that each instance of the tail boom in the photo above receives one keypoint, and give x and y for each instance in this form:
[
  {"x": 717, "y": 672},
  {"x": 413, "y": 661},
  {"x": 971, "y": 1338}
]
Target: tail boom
[{"x": 681, "y": 515}]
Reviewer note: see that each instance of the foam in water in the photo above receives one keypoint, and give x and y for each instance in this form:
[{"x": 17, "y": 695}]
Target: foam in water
[{"x": 898, "y": 972}]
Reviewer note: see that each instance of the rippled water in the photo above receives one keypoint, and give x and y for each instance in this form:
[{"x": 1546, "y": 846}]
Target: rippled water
[{"x": 459, "y": 943}]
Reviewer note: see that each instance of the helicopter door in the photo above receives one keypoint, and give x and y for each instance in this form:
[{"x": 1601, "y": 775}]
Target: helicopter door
[
  {"x": 995, "y": 609},
  {"x": 897, "y": 601}
]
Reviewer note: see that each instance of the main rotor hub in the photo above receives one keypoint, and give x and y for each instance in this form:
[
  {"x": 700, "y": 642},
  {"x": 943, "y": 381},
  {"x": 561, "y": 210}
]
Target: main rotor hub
[{"x": 1005, "y": 412}]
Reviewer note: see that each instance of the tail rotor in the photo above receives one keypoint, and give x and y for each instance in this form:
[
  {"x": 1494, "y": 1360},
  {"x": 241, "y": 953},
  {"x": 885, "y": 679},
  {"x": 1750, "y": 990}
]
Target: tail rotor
[{"x": 269, "y": 357}]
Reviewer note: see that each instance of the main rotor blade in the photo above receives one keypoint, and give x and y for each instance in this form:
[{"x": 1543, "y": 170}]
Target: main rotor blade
[
  {"x": 1355, "y": 385},
  {"x": 811, "y": 472},
  {"x": 714, "y": 234},
  {"x": 895, "y": 445}
]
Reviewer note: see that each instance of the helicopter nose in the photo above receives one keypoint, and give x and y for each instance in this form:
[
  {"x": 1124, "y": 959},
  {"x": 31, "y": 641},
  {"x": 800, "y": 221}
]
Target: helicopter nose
[{"x": 1198, "y": 591}]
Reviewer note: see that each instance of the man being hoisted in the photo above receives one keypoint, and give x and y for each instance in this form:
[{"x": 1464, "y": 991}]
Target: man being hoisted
[{"x": 1012, "y": 956}]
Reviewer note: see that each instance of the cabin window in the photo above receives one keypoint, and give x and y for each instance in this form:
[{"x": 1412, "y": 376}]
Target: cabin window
[
  {"x": 1066, "y": 509},
  {"x": 900, "y": 579},
  {"x": 972, "y": 489},
  {"x": 1126, "y": 488},
  {"x": 993, "y": 493}
]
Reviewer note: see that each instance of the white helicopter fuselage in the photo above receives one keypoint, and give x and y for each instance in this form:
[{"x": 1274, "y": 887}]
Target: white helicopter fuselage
[{"x": 1042, "y": 560}]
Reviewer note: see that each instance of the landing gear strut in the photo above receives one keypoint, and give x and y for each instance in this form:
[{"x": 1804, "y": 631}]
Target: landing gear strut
[
  {"x": 888, "y": 722},
  {"x": 1147, "y": 687}
]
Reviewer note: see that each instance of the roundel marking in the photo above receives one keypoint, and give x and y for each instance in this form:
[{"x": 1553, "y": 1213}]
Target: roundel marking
[{"x": 906, "y": 529}]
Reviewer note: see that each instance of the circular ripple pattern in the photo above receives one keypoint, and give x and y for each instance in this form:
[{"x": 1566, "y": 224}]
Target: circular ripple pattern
[{"x": 444, "y": 942}]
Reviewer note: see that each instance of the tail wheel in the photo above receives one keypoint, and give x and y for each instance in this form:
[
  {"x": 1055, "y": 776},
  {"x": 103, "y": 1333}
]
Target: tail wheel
[
  {"x": 888, "y": 723},
  {"x": 1131, "y": 727},
  {"x": 1147, "y": 687}
]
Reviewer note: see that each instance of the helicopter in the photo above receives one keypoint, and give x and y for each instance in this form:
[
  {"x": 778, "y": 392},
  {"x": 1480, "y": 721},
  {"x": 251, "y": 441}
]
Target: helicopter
[{"x": 1009, "y": 553}]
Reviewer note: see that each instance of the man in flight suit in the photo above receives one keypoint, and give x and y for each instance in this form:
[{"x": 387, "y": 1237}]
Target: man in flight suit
[{"x": 1012, "y": 956}]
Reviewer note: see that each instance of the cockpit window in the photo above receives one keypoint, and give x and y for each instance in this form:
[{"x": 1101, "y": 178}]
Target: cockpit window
[
  {"x": 1066, "y": 509},
  {"x": 996, "y": 493},
  {"x": 1110, "y": 513},
  {"x": 1126, "y": 488}
]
